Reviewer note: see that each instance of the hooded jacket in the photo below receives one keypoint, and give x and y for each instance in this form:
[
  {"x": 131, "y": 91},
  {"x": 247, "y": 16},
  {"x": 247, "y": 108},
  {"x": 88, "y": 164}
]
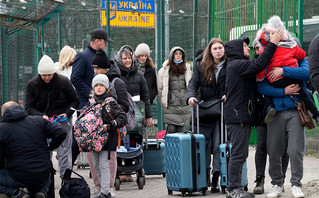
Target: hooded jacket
[
  {"x": 23, "y": 144},
  {"x": 314, "y": 62},
  {"x": 134, "y": 80},
  {"x": 241, "y": 88}
]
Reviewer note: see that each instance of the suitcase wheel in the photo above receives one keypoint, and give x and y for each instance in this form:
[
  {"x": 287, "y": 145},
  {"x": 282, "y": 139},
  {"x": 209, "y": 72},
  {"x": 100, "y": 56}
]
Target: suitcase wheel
[
  {"x": 170, "y": 192},
  {"x": 164, "y": 175},
  {"x": 223, "y": 190},
  {"x": 246, "y": 188},
  {"x": 204, "y": 192},
  {"x": 183, "y": 194},
  {"x": 117, "y": 184}
]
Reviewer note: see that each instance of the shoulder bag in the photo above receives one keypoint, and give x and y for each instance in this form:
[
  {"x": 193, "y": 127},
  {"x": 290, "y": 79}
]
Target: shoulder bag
[{"x": 305, "y": 117}]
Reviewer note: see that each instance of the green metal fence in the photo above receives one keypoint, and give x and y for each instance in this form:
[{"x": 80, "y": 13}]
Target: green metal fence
[{"x": 186, "y": 23}]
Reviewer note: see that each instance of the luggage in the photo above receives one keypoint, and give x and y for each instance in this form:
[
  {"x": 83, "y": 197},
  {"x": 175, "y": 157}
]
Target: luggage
[
  {"x": 224, "y": 155},
  {"x": 154, "y": 156},
  {"x": 186, "y": 162},
  {"x": 74, "y": 187},
  {"x": 82, "y": 161}
]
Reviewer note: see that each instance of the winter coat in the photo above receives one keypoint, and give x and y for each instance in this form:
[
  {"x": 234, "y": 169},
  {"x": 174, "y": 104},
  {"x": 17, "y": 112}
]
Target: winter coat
[
  {"x": 313, "y": 58},
  {"x": 241, "y": 88},
  {"x": 24, "y": 151},
  {"x": 118, "y": 121},
  {"x": 52, "y": 98},
  {"x": 135, "y": 82},
  {"x": 172, "y": 95},
  {"x": 119, "y": 86},
  {"x": 82, "y": 74},
  {"x": 207, "y": 91},
  {"x": 150, "y": 77},
  {"x": 287, "y": 54},
  {"x": 281, "y": 101}
]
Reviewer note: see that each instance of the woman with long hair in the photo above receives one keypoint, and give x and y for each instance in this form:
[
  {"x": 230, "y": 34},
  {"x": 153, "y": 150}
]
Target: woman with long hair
[{"x": 208, "y": 80}]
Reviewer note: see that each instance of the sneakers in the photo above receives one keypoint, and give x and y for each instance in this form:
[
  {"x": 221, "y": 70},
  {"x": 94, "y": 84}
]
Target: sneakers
[
  {"x": 215, "y": 186},
  {"x": 296, "y": 192},
  {"x": 270, "y": 113},
  {"x": 95, "y": 190},
  {"x": 112, "y": 192},
  {"x": 259, "y": 189},
  {"x": 238, "y": 193},
  {"x": 102, "y": 195},
  {"x": 275, "y": 192}
]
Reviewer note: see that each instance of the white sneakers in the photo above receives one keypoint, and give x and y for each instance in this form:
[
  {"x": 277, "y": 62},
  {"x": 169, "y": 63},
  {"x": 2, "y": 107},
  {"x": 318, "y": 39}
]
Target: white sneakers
[
  {"x": 275, "y": 192},
  {"x": 95, "y": 190},
  {"x": 112, "y": 192},
  {"x": 296, "y": 192}
]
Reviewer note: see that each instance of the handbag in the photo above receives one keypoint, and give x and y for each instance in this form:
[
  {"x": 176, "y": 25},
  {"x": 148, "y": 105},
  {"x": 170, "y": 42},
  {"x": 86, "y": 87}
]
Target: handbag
[
  {"x": 74, "y": 187},
  {"x": 305, "y": 117},
  {"x": 209, "y": 108}
]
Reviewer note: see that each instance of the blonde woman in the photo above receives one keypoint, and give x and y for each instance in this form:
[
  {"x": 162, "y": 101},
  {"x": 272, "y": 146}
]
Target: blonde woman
[{"x": 64, "y": 66}]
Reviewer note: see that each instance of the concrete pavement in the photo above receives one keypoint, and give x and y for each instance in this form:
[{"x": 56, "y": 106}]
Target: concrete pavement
[{"x": 155, "y": 186}]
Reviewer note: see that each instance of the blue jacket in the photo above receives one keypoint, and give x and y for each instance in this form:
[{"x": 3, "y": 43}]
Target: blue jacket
[
  {"x": 82, "y": 74},
  {"x": 281, "y": 101}
]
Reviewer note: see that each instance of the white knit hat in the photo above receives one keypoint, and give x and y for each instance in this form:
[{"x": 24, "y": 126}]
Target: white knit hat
[
  {"x": 142, "y": 49},
  {"x": 101, "y": 79},
  {"x": 46, "y": 66}
]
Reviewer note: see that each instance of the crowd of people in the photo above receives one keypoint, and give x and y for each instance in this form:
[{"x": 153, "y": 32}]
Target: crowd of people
[{"x": 255, "y": 91}]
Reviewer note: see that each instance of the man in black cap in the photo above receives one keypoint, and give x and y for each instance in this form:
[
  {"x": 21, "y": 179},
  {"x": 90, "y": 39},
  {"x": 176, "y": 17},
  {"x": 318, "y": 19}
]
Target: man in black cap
[
  {"x": 82, "y": 72},
  {"x": 239, "y": 110}
]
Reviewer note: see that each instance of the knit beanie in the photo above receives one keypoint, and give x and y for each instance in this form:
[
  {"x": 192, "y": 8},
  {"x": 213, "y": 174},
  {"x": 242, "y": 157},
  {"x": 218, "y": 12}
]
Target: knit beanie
[
  {"x": 101, "y": 79},
  {"x": 142, "y": 49},
  {"x": 46, "y": 66},
  {"x": 101, "y": 60}
]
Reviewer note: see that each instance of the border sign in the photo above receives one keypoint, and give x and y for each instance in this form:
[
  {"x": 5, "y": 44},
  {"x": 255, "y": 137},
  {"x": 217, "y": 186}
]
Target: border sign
[{"x": 122, "y": 13}]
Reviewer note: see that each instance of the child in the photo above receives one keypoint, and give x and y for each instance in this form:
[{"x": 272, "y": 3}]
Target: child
[
  {"x": 103, "y": 90},
  {"x": 287, "y": 54}
]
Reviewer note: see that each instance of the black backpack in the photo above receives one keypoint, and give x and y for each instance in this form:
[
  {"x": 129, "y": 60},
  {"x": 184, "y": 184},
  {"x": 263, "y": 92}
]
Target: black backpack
[{"x": 74, "y": 187}]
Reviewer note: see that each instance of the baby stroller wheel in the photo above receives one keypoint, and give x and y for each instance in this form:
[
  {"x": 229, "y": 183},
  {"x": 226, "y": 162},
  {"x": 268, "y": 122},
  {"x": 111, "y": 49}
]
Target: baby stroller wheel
[
  {"x": 117, "y": 184},
  {"x": 140, "y": 182}
]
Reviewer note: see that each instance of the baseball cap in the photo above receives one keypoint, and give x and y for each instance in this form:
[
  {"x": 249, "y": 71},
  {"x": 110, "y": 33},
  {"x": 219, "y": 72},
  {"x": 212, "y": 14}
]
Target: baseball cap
[{"x": 100, "y": 34}]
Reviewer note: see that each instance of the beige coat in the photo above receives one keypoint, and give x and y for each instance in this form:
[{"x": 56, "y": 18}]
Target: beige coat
[{"x": 163, "y": 80}]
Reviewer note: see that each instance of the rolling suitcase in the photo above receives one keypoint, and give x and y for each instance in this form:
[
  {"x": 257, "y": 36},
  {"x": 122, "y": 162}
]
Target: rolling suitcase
[
  {"x": 154, "y": 156},
  {"x": 186, "y": 162},
  {"x": 224, "y": 155},
  {"x": 82, "y": 161}
]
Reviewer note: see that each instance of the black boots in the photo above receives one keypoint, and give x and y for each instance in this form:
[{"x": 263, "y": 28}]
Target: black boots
[
  {"x": 215, "y": 185},
  {"x": 259, "y": 189}
]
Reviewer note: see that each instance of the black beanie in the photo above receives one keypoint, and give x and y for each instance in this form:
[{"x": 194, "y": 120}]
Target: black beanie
[{"x": 101, "y": 60}]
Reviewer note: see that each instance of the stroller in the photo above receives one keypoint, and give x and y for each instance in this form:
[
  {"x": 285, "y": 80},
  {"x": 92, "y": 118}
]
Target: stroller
[{"x": 130, "y": 161}]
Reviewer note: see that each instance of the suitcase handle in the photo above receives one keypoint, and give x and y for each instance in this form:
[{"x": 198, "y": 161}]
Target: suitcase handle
[{"x": 197, "y": 117}]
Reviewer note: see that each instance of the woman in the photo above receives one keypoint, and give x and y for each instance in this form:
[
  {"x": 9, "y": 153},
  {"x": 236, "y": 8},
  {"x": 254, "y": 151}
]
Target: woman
[
  {"x": 64, "y": 66},
  {"x": 146, "y": 66},
  {"x": 172, "y": 83},
  {"x": 209, "y": 77},
  {"x": 136, "y": 87},
  {"x": 50, "y": 94}
]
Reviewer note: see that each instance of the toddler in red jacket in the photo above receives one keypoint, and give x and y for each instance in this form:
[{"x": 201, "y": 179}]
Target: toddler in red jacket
[{"x": 287, "y": 54}]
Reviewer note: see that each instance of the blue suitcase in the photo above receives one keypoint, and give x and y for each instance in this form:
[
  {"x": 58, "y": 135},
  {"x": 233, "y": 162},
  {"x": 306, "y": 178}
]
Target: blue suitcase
[
  {"x": 224, "y": 155},
  {"x": 154, "y": 156},
  {"x": 185, "y": 162}
]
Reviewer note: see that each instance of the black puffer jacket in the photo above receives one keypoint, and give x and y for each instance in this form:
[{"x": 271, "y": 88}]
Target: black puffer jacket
[
  {"x": 135, "y": 82},
  {"x": 119, "y": 86},
  {"x": 52, "y": 98},
  {"x": 241, "y": 88},
  {"x": 118, "y": 121},
  {"x": 313, "y": 59},
  {"x": 23, "y": 144},
  {"x": 150, "y": 77}
]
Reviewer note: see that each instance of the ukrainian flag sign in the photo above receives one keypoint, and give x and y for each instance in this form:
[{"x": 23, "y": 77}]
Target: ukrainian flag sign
[{"x": 130, "y": 13}]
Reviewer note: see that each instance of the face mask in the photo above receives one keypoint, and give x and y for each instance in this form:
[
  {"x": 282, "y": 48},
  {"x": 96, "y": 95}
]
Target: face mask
[{"x": 177, "y": 62}]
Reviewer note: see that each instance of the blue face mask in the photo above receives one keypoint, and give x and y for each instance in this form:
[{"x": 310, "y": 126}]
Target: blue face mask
[{"x": 177, "y": 62}]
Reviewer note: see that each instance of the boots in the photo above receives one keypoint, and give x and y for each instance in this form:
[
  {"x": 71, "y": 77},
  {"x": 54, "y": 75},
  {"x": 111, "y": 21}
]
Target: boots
[
  {"x": 259, "y": 189},
  {"x": 215, "y": 186}
]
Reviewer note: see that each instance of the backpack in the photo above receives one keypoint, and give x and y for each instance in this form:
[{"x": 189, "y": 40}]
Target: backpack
[
  {"x": 88, "y": 128},
  {"x": 130, "y": 115},
  {"x": 74, "y": 187}
]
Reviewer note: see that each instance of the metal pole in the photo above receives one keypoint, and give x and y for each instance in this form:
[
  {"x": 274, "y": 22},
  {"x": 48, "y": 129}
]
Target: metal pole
[
  {"x": 5, "y": 64},
  {"x": 195, "y": 9},
  {"x": 107, "y": 13},
  {"x": 209, "y": 34},
  {"x": 300, "y": 21},
  {"x": 59, "y": 31},
  {"x": 213, "y": 19}
]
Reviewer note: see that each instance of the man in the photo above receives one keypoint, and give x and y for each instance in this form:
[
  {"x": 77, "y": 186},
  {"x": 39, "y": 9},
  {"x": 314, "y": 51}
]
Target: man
[
  {"x": 24, "y": 152},
  {"x": 83, "y": 73},
  {"x": 241, "y": 92},
  {"x": 285, "y": 127},
  {"x": 313, "y": 53}
]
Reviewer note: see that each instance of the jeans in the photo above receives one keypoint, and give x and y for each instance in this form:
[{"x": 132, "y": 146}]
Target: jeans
[{"x": 10, "y": 186}]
